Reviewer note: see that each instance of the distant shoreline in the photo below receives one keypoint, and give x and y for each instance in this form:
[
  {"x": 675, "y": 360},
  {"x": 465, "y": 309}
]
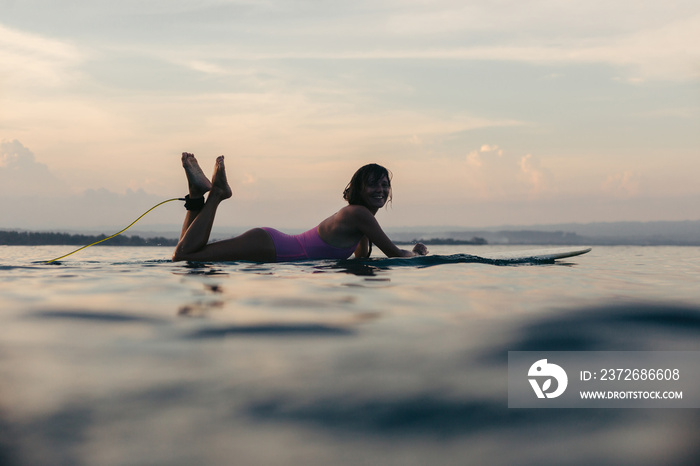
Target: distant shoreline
[
  {"x": 445, "y": 241},
  {"x": 28, "y": 238}
]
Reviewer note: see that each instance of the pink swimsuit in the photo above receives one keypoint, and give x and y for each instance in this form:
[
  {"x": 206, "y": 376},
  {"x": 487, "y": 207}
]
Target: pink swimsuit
[{"x": 307, "y": 245}]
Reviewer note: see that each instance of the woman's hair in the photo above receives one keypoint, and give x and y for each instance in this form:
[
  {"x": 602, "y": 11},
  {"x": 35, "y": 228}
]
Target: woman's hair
[{"x": 362, "y": 177}]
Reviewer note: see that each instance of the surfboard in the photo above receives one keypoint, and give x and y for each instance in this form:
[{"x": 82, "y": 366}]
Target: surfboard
[{"x": 535, "y": 255}]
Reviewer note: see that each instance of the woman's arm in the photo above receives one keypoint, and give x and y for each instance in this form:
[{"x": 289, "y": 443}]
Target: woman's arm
[
  {"x": 362, "y": 248},
  {"x": 369, "y": 226}
]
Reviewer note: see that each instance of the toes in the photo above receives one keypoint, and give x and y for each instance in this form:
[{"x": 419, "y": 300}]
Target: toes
[{"x": 187, "y": 157}]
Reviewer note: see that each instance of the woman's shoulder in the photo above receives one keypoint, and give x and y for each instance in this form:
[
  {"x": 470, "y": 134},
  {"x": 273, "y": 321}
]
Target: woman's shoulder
[
  {"x": 354, "y": 211},
  {"x": 349, "y": 217},
  {"x": 345, "y": 222}
]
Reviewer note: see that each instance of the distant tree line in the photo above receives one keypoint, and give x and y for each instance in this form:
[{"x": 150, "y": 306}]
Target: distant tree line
[
  {"x": 446, "y": 241},
  {"x": 27, "y": 238}
]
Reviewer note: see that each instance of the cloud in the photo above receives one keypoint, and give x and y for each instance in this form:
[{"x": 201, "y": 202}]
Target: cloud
[
  {"x": 490, "y": 148},
  {"x": 249, "y": 179},
  {"x": 14, "y": 156},
  {"x": 648, "y": 39},
  {"x": 655, "y": 40},
  {"x": 532, "y": 173},
  {"x": 622, "y": 185},
  {"x": 474, "y": 159},
  {"x": 645, "y": 39},
  {"x": 22, "y": 175},
  {"x": 35, "y": 198},
  {"x": 206, "y": 67},
  {"x": 492, "y": 174},
  {"x": 33, "y": 60},
  {"x": 415, "y": 140}
]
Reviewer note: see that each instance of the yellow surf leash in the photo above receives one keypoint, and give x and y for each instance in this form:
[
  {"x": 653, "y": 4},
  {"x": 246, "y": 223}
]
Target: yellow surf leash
[{"x": 119, "y": 233}]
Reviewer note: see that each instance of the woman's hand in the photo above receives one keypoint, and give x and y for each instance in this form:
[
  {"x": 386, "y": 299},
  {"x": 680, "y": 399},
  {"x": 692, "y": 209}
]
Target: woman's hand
[{"x": 420, "y": 249}]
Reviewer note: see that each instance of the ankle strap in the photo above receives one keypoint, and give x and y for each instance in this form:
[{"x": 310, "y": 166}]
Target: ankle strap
[{"x": 194, "y": 204}]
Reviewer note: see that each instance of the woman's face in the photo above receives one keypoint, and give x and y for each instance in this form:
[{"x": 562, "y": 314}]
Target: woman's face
[{"x": 376, "y": 192}]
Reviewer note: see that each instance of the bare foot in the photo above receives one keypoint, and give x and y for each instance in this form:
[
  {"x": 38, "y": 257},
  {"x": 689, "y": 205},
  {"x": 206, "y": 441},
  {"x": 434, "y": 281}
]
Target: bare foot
[
  {"x": 220, "y": 185},
  {"x": 196, "y": 179}
]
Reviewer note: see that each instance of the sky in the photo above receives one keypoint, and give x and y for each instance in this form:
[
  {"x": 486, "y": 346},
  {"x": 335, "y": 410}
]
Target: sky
[{"x": 486, "y": 112}]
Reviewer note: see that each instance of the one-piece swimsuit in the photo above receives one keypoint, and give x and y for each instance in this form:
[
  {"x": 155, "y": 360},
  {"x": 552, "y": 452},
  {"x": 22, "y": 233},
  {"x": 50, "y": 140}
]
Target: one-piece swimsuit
[{"x": 307, "y": 245}]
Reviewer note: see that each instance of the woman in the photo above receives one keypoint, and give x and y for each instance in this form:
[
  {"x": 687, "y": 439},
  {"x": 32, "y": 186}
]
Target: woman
[{"x": 350, "y": 230}]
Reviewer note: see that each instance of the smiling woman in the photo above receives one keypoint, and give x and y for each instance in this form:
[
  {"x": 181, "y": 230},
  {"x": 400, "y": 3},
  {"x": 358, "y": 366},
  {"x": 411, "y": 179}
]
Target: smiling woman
[{"x": 350, "y": 230}]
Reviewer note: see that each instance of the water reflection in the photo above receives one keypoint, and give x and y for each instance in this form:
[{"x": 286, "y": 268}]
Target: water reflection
[
  {"x": 629, "y": 326},
  {"x": 199, "y": 268},
  {"x": 272, "y": 329},
  {"x": 361, "y": 268}
]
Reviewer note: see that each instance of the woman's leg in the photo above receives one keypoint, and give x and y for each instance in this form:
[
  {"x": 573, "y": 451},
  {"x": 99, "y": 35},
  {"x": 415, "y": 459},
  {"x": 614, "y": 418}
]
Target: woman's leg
[
  {"x": 198, "y": 185},
  {"x": 254, "y": 245}
]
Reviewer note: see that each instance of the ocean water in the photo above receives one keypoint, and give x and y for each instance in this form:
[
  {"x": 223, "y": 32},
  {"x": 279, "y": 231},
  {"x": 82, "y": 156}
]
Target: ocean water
[{"x": 117, "y": 356}]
